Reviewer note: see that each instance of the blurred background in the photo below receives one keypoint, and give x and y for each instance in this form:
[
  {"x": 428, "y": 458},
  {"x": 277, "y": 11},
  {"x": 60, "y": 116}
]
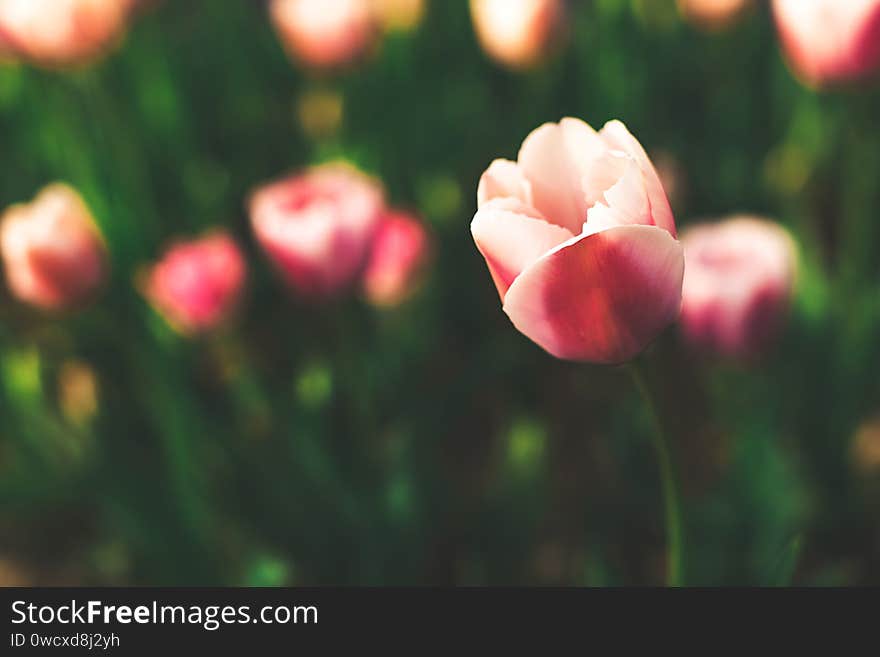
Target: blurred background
[{"x": 430, "y": 443}]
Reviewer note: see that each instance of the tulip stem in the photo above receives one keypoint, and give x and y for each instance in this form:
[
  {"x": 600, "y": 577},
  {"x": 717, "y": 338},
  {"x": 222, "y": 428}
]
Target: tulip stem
[{"x": 669, "y": 481}]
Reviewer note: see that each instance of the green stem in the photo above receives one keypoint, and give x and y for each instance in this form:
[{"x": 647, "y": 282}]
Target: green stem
[{"x": 669, "y": 481}]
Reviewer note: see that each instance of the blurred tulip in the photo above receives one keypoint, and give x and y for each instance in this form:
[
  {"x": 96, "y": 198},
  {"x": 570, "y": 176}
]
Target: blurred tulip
[
  {"x": 713, "y": 14},
  {"x": 316, "y": 226},
  {"x": 320, "y": 112},
  {"x": 77, "y": 391},
  {"x": 14, "y": 573},
  {"x": 325, "y": 33},
  {"x": 829, "y": 41},
  {"x": 197, "y": 283},
  {"x": 61, "y": 32},
  {"x": 398, "y": 15},
  {"x": 397, "y": 256},
  {"x": 738, "y": 285},
  {"x": 52, "y": 250},
  {"x": 580, "y": 241},
  {"x": 865, "y": 448},
  {"x": 517, "y": 33}
]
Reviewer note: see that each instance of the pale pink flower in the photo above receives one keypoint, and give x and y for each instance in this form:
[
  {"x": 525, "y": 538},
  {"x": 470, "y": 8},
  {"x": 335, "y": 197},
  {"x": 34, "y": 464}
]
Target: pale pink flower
[
  {"x": 61, "y": 32},
  {"x": 53, "y": 253},
  {"x": 517, "y": 33},
  {"x": 738, "y": 283},
  {"x": 317, "y": 226},
  {"x": 580, "y": 241},
  {"x": 325, "y": 33},
  {"x": 829, "y": 41}
]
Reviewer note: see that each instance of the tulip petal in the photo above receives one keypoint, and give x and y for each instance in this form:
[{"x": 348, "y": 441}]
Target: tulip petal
[
  {"x": 554, "y": 158},
  {"x": 503, "y": 178},
  {"x": 511, "y": 236},
  {"x": 597, "y": 167},
  {"x": 602, "y": 297},
  {"x": 617, "y": 136},
  {"x": 626, "y": 202}
]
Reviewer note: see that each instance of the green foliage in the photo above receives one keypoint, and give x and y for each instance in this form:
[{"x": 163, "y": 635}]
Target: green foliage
[{"x": 430, "y": 443}]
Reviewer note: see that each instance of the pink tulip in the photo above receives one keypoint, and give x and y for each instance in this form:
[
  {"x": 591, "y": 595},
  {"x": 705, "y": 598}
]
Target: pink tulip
[
  {"x": 713, "y": 14},
  {"x": 737, "y": 286},
  {"x": 397, "y": 256},
  {"x": 316, "y": 226},
  {"x": 325, "y": 33},
  {"x": 829, "y": 41},
  {"x": 517, "y": 33},
  {"x": 196, "y": 285},
  {"x": 61, "y": 32},
  {"x": 52, "y": 250},
  {"x": 580, "y": 241}
]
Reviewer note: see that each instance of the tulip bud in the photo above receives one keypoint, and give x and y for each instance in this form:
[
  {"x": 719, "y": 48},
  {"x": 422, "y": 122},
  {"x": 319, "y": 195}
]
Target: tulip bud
[
  {"x": 580, "y": 241},
  {"x": 61, "y": 32},
  {"x": 865, "y": 448},
  {"x": 320, "y": 112},
  {"x": 52, "y": 250},
  {"x": 325, "y": 33},
  {"x": 517, "y": 33},
  {"x": 397, "y": 256},
  {"x": 738, "y": 285},
  {"x": 316, "y": 227},
  {"x": 77, "y": 391},
  {"x": 829, "y": 41},
  {"x": 15, "y": 573},
  {"x": 197, "y": 284},
  {"x": 713, "y": 14},
  {"x": 398, "y": 15}
]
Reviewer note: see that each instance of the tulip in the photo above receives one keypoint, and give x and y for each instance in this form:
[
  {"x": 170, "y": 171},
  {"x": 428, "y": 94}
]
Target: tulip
[
  {"x": 52, "y": 250},
  {"x": 517, "y": 33},
  {"x": 398, "y": 15},
  {"x": 738, "y": 285},
  {"x": 320, "y": 112},
  {"x": 829, "y": 41},
  {"x": 865, "y": 448},
  {"x": 77, "y": 391},
  {"x": 197, "y": 284},
  {"x": 580, "y": 241},
  {"x": 713, "y": 14},
  {"x": 61, "y": 32},
  {"x": 397, "y": 256},
  {"x": 316, "y": 227},
  {"x": 325, "y": 33}
]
